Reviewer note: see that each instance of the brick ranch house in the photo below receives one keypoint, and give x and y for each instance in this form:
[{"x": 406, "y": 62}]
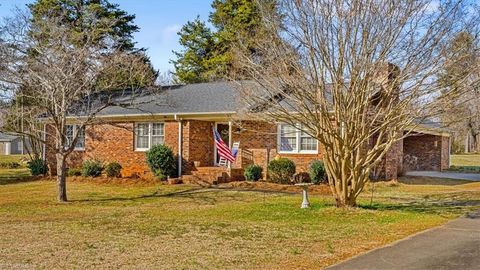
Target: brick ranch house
[{"x": 183, "y": 117}]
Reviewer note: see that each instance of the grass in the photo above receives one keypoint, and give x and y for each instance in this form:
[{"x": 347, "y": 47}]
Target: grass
[
  {"x": 465, "y": 163},
  {"x": 12, "y": 158},
  {"x": 113, "y": 225},
  {"x": 8, "y": 176}
]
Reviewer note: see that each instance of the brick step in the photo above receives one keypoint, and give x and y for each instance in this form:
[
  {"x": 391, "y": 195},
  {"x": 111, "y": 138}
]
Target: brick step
[
  {"x": 192, "y": 179},
  {"x": 211, "y": 169},
  {"x": 202, "y": 181}
]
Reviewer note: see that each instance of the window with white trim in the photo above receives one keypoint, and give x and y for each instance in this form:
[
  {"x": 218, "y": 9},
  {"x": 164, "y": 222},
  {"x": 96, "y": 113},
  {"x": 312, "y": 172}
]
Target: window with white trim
[
  {"x": 291, "y": 139},
  {"x": 70, "y": 131},
  {"x": 148, "y": 134}
]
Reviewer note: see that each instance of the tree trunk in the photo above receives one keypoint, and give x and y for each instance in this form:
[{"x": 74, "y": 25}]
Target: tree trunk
[
  {"x": 61, "y": 178},
  {"x": 342, "y": 190}
]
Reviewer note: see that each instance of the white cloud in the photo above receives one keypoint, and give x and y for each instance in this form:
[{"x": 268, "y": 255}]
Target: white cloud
[
  {"x": 169, "y": 33},
  {"x": 432, "y": 6}
]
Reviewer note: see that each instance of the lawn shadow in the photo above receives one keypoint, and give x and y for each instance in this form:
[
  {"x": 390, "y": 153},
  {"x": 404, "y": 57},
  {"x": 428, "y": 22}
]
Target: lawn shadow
[
  {"x": 205, "y": 195},
  {"x": 17, "y": 180},
  {"x": 473, "y": 215},
  {"x": 423, "y": 180},
  {"x": 426, "y": 207}
]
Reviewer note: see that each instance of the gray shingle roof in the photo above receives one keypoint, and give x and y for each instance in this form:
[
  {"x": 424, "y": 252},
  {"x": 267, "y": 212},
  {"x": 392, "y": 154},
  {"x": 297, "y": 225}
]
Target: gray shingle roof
[
  {"x": 5, "y": 137},
  {"x": 194, "y": 98}
]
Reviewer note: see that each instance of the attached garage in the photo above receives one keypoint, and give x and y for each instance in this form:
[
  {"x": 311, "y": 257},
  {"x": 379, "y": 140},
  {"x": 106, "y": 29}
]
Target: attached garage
[{"x": 426, "y": 152}]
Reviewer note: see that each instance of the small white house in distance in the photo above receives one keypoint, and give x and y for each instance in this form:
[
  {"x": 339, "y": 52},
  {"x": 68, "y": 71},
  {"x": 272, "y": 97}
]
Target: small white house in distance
[{"x": 11, "y": 144}]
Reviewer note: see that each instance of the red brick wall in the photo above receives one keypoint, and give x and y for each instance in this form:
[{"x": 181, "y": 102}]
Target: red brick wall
[
  {"x": 445, "y": 153},
  {"x": 198, "y": 144},
  {"x": 258, "y": 145},
  {"x": 392, "y": 164},
  {"x": 114, "y": 142},
  {"x": 425, "y": 152}
]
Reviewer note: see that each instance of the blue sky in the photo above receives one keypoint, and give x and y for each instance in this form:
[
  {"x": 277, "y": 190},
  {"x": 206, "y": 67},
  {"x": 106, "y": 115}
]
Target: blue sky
[{"x": 159, "y": 21}]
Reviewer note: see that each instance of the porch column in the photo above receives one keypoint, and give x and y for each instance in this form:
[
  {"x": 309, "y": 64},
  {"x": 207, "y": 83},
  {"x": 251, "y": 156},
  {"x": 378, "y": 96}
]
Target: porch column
[
  {"x": 8, "y": 148},
  {"x": 180, "y": 140},
  {"x": 230, "y": 140}
]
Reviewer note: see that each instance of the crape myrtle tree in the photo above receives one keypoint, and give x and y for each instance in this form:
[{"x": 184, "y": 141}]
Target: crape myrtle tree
[
  {"x": 58, "y": 75},
  {"x": 357, "y": 75}
]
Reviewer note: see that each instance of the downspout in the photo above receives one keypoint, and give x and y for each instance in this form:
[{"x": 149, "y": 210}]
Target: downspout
[
  {"x": 449, "y": 150},
  {"x": 180, "y": 131},
  {"x": 44, "y": 146}
]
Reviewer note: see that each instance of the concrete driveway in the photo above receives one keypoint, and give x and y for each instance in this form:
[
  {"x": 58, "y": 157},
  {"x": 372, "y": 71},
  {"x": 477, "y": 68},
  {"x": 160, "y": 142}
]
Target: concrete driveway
[
  {"x": 451, "y": 175},
  {"x": 456, "y": 245}
]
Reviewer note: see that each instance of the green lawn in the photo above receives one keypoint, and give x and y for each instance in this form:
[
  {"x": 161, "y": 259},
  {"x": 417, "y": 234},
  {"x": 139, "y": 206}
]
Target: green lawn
[
  {"x": 466, "y": 160},
  {"x": 465, "y": 163},
  {"x": 14, "y": 158},
  {"x": 11, "y": 175},
  {"x": 110, "y": 225}
]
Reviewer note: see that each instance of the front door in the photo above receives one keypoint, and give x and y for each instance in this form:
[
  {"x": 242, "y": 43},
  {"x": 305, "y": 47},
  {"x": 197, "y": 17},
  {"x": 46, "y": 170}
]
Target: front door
[{"x": 224, "y": 130}]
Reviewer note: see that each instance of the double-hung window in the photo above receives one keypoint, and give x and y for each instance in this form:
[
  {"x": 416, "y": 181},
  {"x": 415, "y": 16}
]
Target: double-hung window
[
  {"x": 291, "y": 139},
  {"x": 70, "y": 131},
  {"x": 148, "y": 134}
]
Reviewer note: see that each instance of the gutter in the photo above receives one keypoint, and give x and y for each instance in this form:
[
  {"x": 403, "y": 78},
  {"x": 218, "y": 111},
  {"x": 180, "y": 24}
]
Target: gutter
[
  {"x": 180, "y": 140},
  {"x": 157, "y": 114}
]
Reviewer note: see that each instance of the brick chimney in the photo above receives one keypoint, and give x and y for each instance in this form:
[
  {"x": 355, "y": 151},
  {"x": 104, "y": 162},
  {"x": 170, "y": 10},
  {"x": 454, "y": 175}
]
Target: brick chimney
[{"x": 386, "y": 80}]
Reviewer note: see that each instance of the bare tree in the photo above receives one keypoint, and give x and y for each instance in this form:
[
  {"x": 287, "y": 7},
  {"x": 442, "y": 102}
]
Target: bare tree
[
  {"x": 462, "y": 110},
  {"x": 56, "y": 79},
  {"x": 357, "y": 75}
]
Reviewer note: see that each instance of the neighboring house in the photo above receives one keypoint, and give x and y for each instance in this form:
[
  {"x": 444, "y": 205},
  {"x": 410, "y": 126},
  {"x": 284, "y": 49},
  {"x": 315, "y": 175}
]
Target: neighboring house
[
  {"x": 183, "y": 117},
  {"x": 11, "y": 144}
]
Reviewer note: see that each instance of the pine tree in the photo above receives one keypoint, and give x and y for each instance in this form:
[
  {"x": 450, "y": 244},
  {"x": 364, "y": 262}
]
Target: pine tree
[
  {"x": 93, "y": 16},
  {"x": 191, "y": 65},
  {"x": 235, "y": 22}
]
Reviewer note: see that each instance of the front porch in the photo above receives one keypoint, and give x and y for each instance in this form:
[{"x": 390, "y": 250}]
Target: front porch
[{"x": 199, "y": 159}]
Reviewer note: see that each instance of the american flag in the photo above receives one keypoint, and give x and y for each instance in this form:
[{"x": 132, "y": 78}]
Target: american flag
[{"x": 222, "y": 148}]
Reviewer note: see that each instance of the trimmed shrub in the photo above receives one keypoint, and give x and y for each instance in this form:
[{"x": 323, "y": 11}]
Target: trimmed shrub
[
  {"x": 74, "y": 172},
  {"x": 281, "y": 171},
  {"x": 113, "y": 169},
  {"x": 317, "y": 171},
  {"x": 37, "y": 166},
  {"x": 253, "y": 172},
  {"x": 92, "y": 168},
  {"x": 9, "y": 165},
  {"x": 161, "y": 160}
]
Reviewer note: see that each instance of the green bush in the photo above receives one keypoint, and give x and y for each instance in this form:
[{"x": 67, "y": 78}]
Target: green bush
[
  {"x": 92, "y": 168},
  {"x": 253, "y": 172},
  {"x": 74, "y": 172},
  {"x": 10, "y": 165},
  {"x": 161, "y": 160},
  {"x": 281, "y": 170},
  {"x": 113, "y": 169},
  {"x": 37, "y": 166},
  {"x": 317, "y": 171}
]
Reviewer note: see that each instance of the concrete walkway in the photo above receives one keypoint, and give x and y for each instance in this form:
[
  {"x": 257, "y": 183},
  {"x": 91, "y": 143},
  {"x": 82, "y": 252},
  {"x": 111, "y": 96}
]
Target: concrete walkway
[
  {"x": 456, "y": 245},
  {"x": 450, "y": 175}
]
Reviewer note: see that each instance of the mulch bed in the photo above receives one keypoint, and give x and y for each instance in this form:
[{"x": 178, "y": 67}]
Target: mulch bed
[{"x": 237, "y": 185}]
